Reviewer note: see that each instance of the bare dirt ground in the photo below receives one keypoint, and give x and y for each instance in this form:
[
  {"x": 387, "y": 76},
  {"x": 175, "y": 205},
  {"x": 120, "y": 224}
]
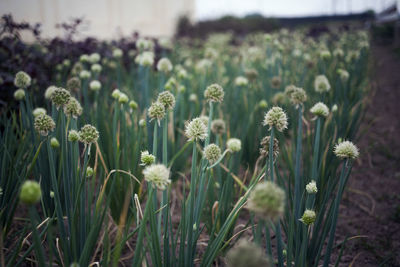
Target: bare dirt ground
[{"x": 370, "y": 210}]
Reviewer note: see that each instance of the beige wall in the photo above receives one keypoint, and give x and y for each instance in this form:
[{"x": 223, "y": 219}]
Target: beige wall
[{"x": 107, "y": 18}]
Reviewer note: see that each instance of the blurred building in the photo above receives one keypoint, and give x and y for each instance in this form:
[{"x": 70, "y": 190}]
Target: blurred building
[{"x": 106, "y": 18}]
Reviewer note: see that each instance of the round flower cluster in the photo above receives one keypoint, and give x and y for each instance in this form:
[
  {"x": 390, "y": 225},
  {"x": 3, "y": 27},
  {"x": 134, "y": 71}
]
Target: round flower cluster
[
  {"x": 123, "y": 98},
  {"x": 241, "y": 81},
  {"x": 343, "y": 74},
  {"x": 263, "y": 104},
  {"x": 321, "y": 84},
  {"x": 116, "y": 93},
  {"x": 73, "y": 84},
  {"x": 196, "y": 130},
  {"x": 158, "y": 175},
  {"x": 156, "y": 111},
  {"x": 234, "y": 144},
  {"x": 73, "y": 108},
  {"x": 85, "y": 74},
  {"x": 308, "y": 217},
  {"x": 218, "y": 126},
  {"x": 264, "y": 150},
  {"x": 44, "y": 124},
  {"x": 251, "y": 74},
  {"x": 96, "y": 68},
  {"x": 95, "y": 85},
  {"x": 320, "y": 109},
  {"x": 146, "y": 158},
  {"x": 22, "y": 80},
  {"x": 311, "y": 187},
  {"x": 214, "y": 93},
  {"x": 346, "y": 150},
  {"x": 94, "y": 58},
  {"x": 39, "y": 111},
  {"x": 277, "y": 118},
  {"x": 276, "y": 82},
  {"x": 145, "y": 59},
  {"x": 89, "y": 172},
  {"x": 167, "y": 99},
  {"x": 30, "y": 192},
  {"x": 267, "y": 200},
  {"x": 73, "y": 136},
  {"x": 298, "y": 96},
  {"x": 212, "y": 153},
  {"x": 247, "y": 254},
  {"x": 19, "y": 94},
  {"x": 289, "y": 89},
  {"x": 164, "y": 65},
  {"x": 88, "y": 134},
  {"x": 117, "y": 53},
  {"x": 60, "y": 97}
]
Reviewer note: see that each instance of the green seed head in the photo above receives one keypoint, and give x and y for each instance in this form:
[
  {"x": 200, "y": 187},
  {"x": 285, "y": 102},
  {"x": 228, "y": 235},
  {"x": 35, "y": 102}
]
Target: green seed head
[
  {"x": 133, "y": 105},
  {"x": 96, "y": 68},
  {"x": 73, "y": 108},
  {"x": 44, "y": 124},
  {"x": 167, "y": 99},
  {"x": 89, "y": 172},
  {"x": 277, "y": 118},
  {"x": 116, "y": 93},
  {"x": 156, "y": 111},
  {"x": 60, "y": 97},
  {"x": 123, "y": 98},
  {"x": 88, "y": 134},
  {"x": 263, "y": 104},
  {"x": 212, "y": 153},
  {"x": 30, "y": 192},
  {"x": 308, "y": 217},
  {"x": 73, "y": 136},
  {"x": 214, "y": 93},
  {"x": 298, "y": 96},
  {"x": 146, "y": 158}
]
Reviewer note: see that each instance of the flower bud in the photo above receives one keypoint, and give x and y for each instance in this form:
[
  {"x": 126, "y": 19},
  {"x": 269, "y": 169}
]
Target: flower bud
[
  {"x": 142, "y": 123},
  {"x": 30, "y": 192},
  {"x": 146, "y": 158},
  {"x": 74, "y": 84},
  {"x": 19, "y": 94},
  {"x": 234, "y": 144},
  {"x": 39, "y": 111},
  {"x": 60, "y": 97},
  {"x": 133, "y": 105},
  {"x": 95, "y": 85},
  {"x": 54, "y": 143},
  {"x": 96, "y": 68},
  {"x": 156, "y": 111},
  {"x": 321, "y": 84},
  {"x": 73, "y": 136},
  {"x": 116, "y": 93},
  {"x": 89, "y": 172},
  {"x": 49, "y": 91},
  {"x": 123, "y": 98},
  {"x": 73, "y": 108},
  {"x": 308, "y": 217},
  {"x": 311, "y": 187}
]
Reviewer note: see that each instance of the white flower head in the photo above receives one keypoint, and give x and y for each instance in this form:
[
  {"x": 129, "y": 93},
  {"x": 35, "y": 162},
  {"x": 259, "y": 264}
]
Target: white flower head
[
  {"x": 158, "y": 175},
  {"x": 196, "y": 130}
]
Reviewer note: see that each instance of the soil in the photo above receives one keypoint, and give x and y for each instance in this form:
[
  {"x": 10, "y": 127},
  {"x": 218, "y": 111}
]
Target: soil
[{"x": 370, "y": 210}]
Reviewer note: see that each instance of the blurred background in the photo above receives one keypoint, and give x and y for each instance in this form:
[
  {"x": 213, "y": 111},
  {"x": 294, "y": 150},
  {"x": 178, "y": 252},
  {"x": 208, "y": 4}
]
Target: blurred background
[{"x": 110, "y": 19}]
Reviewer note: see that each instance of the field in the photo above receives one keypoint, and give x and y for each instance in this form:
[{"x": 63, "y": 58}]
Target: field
[{"x": 230, "y": 150}]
